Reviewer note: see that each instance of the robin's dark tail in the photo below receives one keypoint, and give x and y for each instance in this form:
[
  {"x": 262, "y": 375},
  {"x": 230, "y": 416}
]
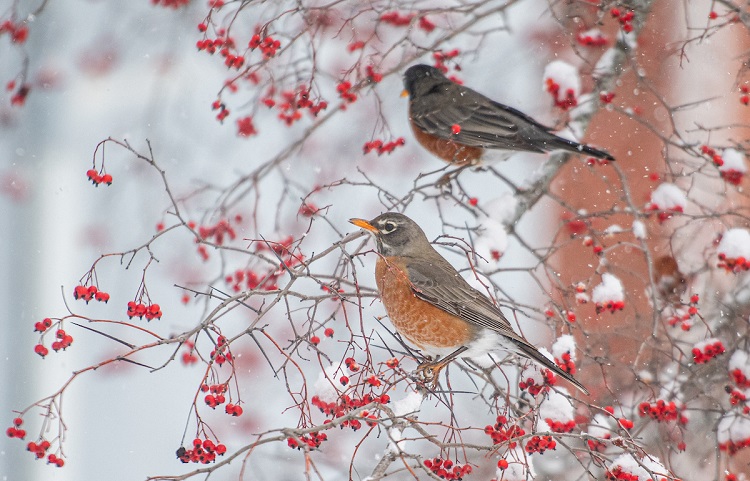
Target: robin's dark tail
[
  {"x": 531, "y": 352},
  {"x": 572, "y": 146}
]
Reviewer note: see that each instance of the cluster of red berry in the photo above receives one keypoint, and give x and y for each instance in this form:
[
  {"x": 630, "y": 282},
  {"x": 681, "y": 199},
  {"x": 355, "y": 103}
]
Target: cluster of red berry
[
  {"x": 64, "y": 340},
  {"x": 233, "y": 410},
  {"x": 372, "y": 75},
  {"x": 625, "y": 19},
  {"x": 245, "y": 127},
  {"x": 662, "y": 411},
  {"x": 619, "y": 474},
  {"x": 711, "y": 153},
  {"x": 346, "y": 403},
  {"x": 224, "y": 45},
  {"x": 565, "y": 100},
  {"x": 251, "y": 279},
  {"x": 426, "y": 24},
  {"x": 745, "y": 97},
  {"x": 344, "y": 90},
  {"x": 43, "y": 325},
  {"x": 708, "y": 352},
  {"x": 530, "y": 385},
  {"x": 267, "y": 45},
  {"x": 308, "y": 209},
  {"x": 19, "y": 97},
  {"x": 170, "y": 3},
  {"x": 397, "y": 19},
  {"x": 606, "y": 98},
  {"x": 221, "y": 354},
  {"x": 90, "y": 292},
  {"x": 18, "y": 32},
  {"x": 560, "y": 426},
  {"x": 188, "y": 356},
  {"x": 663, "y": 214},
  {"x": 501, "y": 431},
  {"x": 739, "y": 378},
  {"x": 312, "y": 441},
  {"x": 736, "y": 264},
  {"x": 441, "y": 57},
  {"x": 383, "y": 147},
  {"x": 737, "y": 397},
  {"x": 223, "y": 110},
  {"x": 40, "y": 451},
  {"x": 683, "y": 316},
  {"x": 566, "y": 363},
  {"x": 732, "y": 447},
  {"x": 292, "y": 103},
  {"x": 539, "y": 444},
  {"x": 219, "y": 232},
  {"x": 216, "y": 394},
  {"x": 447, "y": 469},
  {"x": 141, "y": 310},
  {"x": 611, "y": 306},
  {"x": 16, "y": 431},
  {"x": 97, "y": 178},
  {"x": 357, "y": 45},
  {"x": 589, "y": 39},
  {"x": 315, "y": 340},
  {"x": 203, "y": 452},
  {"x": 588, "y": 241},
  {"x": 598, "y": 445}
]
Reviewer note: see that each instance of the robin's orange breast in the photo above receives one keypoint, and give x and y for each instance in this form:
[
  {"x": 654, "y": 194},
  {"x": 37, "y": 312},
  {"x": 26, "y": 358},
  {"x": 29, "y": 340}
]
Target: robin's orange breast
[
  {"x": 424, "y": 325},
  {"x": 448, "y": 150}
]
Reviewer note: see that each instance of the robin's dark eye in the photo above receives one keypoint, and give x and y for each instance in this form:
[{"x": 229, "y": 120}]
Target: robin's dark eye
[{"x": 389, "y": 227}]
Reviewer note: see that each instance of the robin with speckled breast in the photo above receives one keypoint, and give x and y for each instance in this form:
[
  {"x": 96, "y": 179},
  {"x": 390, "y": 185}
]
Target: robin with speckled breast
[
  {"x": 433, "y": 307},
  {"x": 457, "y": 124}
]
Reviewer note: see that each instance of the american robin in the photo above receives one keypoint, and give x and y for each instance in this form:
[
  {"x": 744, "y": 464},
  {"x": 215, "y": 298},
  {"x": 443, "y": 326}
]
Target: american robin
[
  {"x": 457, "y": 124},
  {"x": 432, "y": 306}
]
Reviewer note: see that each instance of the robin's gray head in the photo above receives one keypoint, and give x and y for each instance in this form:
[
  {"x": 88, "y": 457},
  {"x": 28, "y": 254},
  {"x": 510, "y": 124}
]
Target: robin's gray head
[
  {"x": 396, "y": 234},
  {"x": 421, "y": 79}
]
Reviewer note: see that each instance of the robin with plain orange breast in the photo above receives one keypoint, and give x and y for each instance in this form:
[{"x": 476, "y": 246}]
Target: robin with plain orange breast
[
  {"x": 457, "y": 124},
  {"x": 433, "y": 307}
]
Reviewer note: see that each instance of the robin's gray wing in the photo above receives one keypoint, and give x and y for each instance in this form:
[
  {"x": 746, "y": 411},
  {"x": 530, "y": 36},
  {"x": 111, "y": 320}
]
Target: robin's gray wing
[
  {"x": 437, "y": 282},
  {"x": 483, "y": 123}
]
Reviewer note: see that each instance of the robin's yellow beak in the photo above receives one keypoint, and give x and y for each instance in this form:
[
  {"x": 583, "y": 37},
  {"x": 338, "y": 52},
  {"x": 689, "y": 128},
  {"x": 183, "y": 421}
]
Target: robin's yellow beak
[
  {"x": 404, "y": 93},
  {"x": 364, "y": 224}
]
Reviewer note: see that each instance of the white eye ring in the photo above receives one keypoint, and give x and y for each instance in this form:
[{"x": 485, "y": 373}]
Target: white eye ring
[{"x": 389, "y": 227}]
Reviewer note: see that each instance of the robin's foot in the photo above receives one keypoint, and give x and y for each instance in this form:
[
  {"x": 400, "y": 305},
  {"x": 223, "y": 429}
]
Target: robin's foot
[{"x": 429, "y": 371}]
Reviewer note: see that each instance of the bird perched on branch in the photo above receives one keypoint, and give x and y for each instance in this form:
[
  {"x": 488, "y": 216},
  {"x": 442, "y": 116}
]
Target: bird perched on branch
[
  {"x": 433, "y": 307},
  {"x": 457, "y": 124}
]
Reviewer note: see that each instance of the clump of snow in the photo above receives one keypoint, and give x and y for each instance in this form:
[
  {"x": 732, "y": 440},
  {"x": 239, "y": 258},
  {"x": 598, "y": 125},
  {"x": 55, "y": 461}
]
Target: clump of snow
[
  {"x": 493, "y": 234},
  {"x": 733, "y": 429},
  {"x": 409, "y": 404},
  {"x": 734, "y": 160},
  {"x": 639, "y": 230},
  {"x": 613, "y": 229},
  {"x": 520, "y": 466},
  {"x": 557, "y": 407},
  {"x": 609, "y": 290},
  {"x": 668, "y": 197},
  {"x": 601, "y": 426},
  {"x": 626, "y": 463},
  {"x": 564, "y": 344},
  {"x": 502, "y": 209},
  {"x": 735, "y": 243},
  {"x": 325, "y": 385},
  {"x": 740, "y": 360},
  {"x": 565, "y": 76}
]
